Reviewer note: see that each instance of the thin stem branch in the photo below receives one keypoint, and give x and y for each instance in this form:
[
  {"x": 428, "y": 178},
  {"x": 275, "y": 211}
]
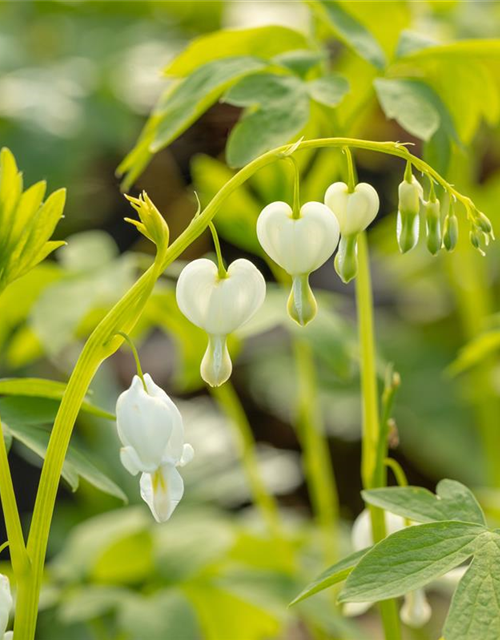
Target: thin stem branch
[
  {"x": 371, "y": 424},
  {"x": 18, "y": 554},
  {"x": 229, "y": 402},
  {"x": 220, "y": 261},
  {"x": 318, "y": 467},
  {"x": 132, "y": 346}
]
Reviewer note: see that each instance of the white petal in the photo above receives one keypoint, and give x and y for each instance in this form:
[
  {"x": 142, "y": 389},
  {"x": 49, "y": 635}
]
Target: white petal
[
  {"x": 416, "y": 611},
  {"x": 187, "y": 455},
  {"x": 353, "y": 609},
  {"x": 355, "y": 211},
  {"x": 5, "y": 603},
  {"x": 216, "y": 366},
  {"x": 9, "y": 635},
  {"x": 145, "y": 423},
  {"x": 162, "y": 491},
  {"x": 361, "y": 534},
  {"x": 132, "y": 463},
  {"x": 299, "y": 245},
  {"x": 220, "y": 306}
]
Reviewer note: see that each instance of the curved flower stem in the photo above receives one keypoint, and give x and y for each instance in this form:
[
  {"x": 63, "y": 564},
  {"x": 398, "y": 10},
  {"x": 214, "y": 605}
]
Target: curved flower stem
[
  {"x": 372, "y": 432},
  {"x": 229, "y": 402},
  {"x": 103, "y": 342},
  {"x": 318, "y": 466},
  {"x": 17, "y": 547}
]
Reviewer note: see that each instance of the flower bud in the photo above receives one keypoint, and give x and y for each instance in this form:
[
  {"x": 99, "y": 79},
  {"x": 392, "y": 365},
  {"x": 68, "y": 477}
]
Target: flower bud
[
  {"x": 416, "y": 611},
  {"x": 219, "y": 306},
  {"x": 299, "y": 245},
  {"x": 450, "y": 232},
  {"x": 433, "y": 226},
  {"x": 478, "y": 238},
  {"x": 151, "y": 431},
  {"x": 483, "y": 222},
  {"x": 410, "y": 194},
  {"x": 354, "y": 211},
  {"x": 5, "y": 604},
  {"x": 346, "y": 260}
]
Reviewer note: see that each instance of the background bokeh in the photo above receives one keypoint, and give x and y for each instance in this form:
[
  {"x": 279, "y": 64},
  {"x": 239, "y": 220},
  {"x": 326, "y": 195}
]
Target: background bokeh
[{"x": 78, "y": 81}]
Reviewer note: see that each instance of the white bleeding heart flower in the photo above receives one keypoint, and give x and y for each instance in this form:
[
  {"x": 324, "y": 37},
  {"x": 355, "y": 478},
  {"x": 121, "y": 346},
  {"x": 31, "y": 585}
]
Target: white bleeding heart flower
[
  {"x": 299, "y": 245},
  {"x": 151, "y": 431},
  {"x": 5, "y": 603},
  {"x": 219, "y": 305},
  {"x": 355, "y": 211},
  {"x": 416, "y": 611}
]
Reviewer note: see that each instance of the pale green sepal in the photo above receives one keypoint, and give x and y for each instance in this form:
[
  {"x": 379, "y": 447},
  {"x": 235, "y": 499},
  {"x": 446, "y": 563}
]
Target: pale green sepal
[
  {"x": 346, "y": 260},
  {"x": 301, "y": 306}
]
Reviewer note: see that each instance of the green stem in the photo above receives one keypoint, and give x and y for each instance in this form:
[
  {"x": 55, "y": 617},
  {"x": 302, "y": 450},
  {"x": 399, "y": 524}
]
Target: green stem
[
  {"x": 18, "y": 554},
  {"x": 296, "y": 188},
  {"x": 371, "y": 425},
  {"x": 318, "y": 467},
  {"x": 229, "y": 402},
  {"x": 220, "y": 261},
  {"x": 131, "y": 344},
  {"x": 351, "y": 172}
]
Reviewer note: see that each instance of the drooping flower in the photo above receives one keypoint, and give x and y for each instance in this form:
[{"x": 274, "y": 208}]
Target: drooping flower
[
  {"x": 5, "y": 604},
  {"x": 355, "y": 210},
  {"x": 433, "y": 225},
  {"x": 219, "y": 305},
  {"x": 151, "y": 431},
  {"x": 299, "y": 244},
  {"x": 408, "y": 222},
  {"x": 416, "y": 611}
]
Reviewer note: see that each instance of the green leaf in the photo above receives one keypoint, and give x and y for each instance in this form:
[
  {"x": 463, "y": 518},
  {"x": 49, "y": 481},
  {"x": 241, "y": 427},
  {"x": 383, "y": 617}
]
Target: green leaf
[
  {"x": 478, "y": 48},
  {"x": 333, "y": 575},
  {"x": 353, "y": 33},
  {"x": 300, "y": 62},
  {"x": 279, "y": 111},
  {"x": 76, "y": 465},
  {"x": 410, "y": 559},
  {"x": 194, "y": 95},
  {"x": 328, "y": 90},
  {"x": 476, "y": 351},
  {"x": 41, "y": 388},
  {"x": 264, "y": 42},
  {"x": 165, "y": 614},
  {"x": 411, "y": 42},
  {"x": 410, "y": 103},
  {"x": 475, "y": 608},
  {"x": 453, "y": 501}
]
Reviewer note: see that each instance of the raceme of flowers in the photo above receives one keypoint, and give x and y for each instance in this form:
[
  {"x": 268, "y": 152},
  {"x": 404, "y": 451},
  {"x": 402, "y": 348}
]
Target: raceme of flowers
[{"x": 300, "y": 239}]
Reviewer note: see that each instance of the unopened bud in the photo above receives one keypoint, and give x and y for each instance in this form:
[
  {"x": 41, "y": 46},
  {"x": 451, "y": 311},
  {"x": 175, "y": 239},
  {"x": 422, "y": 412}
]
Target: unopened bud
[
  {"x": 410, "y": 194},
  {"x": 478, "y": 238},
  {"x": 433, "y": 226},
  {"x": 301, "y": 306},
  {"x": 346, "y": 260},
  {"x": 450, "y": 232}
]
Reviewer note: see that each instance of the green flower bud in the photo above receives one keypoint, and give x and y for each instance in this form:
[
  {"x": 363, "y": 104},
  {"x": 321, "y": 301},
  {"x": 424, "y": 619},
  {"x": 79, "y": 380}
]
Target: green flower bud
[
  {"x": 483, "y": 223},
  {"x": 478, "y": 238},
  {"x": 301, "y": 306},
  {"x": 408, "y": 223},
  {"x": 433, "y": 226},
  {"x": 346, "y": 260},
  {"x": 450, "y": 232}
]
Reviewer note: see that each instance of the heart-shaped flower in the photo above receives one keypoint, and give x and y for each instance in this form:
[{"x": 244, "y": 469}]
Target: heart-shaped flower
[
  {"x": 299, "y": 245},
  {"x": 151, "y": 431},
  {"x": 355, "y": 210},
  {"x": 219, "y": 306}
]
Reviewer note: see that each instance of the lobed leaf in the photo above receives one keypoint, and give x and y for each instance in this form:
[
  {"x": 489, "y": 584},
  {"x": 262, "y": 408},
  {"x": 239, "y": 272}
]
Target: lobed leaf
[
  {"x": 333, "y": 575},
  {"x": 453, "y": 501},
  {"x": 410, "y": 559}
]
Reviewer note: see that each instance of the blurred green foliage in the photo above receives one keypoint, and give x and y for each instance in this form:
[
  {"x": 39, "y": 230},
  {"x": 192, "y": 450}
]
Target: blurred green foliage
[{"x": 78, "y": 81}]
